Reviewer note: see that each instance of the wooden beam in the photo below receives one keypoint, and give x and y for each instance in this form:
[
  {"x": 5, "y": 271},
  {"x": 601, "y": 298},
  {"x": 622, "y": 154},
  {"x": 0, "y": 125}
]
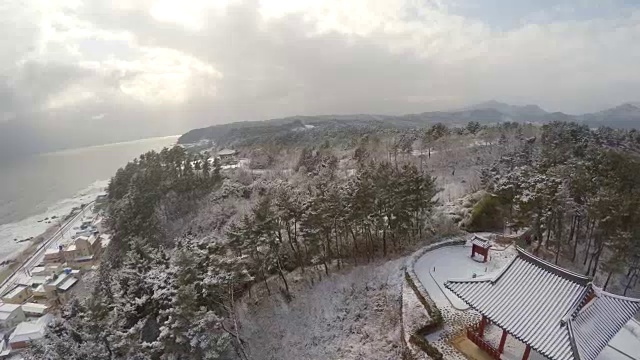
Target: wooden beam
[
  {"x": 483, "y": 323},
  {"x": 503, "y": 340},
  {"x": 526, "y": 353}
]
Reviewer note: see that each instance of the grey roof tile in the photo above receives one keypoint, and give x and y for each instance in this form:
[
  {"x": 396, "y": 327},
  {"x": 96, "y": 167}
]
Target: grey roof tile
[{"x": 543, "y": 306}]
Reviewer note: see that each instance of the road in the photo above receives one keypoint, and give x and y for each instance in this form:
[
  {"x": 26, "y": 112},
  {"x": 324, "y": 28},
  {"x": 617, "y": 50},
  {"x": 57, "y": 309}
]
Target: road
[{"x": 38, "y": 255}]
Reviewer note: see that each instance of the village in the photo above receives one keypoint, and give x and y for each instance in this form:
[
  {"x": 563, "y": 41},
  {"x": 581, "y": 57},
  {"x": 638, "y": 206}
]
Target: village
[
  {"x": 31, "y": 297},
  {"x": 34, "y": 294}
]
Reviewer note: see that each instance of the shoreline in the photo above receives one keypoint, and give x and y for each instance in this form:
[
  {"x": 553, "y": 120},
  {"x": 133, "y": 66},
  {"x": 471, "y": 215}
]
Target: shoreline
[
  {"x": 14, "y": 259},
  {"x": 14, "y": 235},
  {"x": 26, "y": 254},
  {"x": 21, "y": 255}
]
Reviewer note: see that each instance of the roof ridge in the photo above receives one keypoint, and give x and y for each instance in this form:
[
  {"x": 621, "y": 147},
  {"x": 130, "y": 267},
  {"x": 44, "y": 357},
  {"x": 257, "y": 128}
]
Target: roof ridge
[
  {"x": 599, "y": 292},
  {"x": 578, "y": 305},
  {"x": 503, "y": 270},
  {"x": 557, "y": 270}
]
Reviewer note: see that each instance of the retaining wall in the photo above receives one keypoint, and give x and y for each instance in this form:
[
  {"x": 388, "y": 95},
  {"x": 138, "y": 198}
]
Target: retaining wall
[{"x": 421, "y": 293}]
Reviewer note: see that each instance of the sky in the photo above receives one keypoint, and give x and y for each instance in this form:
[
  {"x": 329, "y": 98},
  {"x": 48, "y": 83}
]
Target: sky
[{"x": 82, "y": 71}]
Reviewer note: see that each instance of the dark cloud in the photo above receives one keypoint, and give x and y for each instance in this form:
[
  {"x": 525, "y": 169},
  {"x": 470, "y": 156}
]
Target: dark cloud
[{"x": 152, "y": 76}]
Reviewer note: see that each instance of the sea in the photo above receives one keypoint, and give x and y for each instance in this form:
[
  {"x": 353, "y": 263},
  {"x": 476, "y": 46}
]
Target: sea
[{"x": 35, "y": 192}]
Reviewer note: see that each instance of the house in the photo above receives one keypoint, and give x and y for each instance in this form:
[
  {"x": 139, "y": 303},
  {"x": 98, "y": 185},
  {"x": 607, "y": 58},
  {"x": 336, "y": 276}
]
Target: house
[
  {"x": 63, "y": 289},
  {"x": 227, "y": 156},
  {"x": 69, "y": 252},
  {"x": 58, "y": 289},
  {"x": 560, "y": 314},
  {"x": 46, "y": 270},
  {"x": 36, "y": 280},
  {"x": 53, "y": 285},
  {"x": 11, "y": 315},
  {"x": 86, "y": 246},
  {"x": 105, "y": 239},
  {"x": 83, "y": 262},
  {"x": 53, "y": 256},
  {"x": 95, "y": 245},
  {"x": 18, "y": 294},
  {"x": 34, "y": 309},
  {"x": 39, "y": 295},
  {"x": 28, "y": 331}
]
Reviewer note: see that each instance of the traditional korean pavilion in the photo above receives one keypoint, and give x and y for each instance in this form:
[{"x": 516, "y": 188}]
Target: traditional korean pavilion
[
  {"x": 558, "y": 313},
  {"x": 480, "y": 246}
]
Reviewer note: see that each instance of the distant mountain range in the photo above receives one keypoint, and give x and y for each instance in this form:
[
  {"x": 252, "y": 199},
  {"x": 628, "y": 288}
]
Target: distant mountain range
[{"x": 625, "y": 116}]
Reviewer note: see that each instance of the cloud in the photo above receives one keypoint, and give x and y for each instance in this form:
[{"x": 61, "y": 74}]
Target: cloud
[{"x": 195, "y": 63}]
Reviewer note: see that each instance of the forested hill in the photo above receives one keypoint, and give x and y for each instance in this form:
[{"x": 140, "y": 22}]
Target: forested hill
[
  {"x": 315, "y": 129},
  {"x": 200, "y": 253}
]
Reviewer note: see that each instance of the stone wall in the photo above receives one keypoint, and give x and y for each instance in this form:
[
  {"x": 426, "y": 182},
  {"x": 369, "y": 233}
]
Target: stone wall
[{"x": 416, "y": 337}]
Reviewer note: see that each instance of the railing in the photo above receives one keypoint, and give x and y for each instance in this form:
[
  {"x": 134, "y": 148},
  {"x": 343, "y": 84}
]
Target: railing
[{"x": 472, "y": 334}]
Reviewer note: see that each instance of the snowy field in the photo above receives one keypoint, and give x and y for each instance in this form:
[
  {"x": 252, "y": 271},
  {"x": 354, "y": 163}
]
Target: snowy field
[
  {"x": 351, "y": 314},
  {"x": 454, "y": 262}
]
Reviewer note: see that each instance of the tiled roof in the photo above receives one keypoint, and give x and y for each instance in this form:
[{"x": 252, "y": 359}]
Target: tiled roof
[
  {"x": 226, "y": 152},
  {"x": 599, "y": 321},
  {"x": 540, "y": 304},
  {"x": 482, "y": 242}
]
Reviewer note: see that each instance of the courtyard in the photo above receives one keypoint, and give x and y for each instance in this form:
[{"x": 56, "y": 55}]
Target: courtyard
[{"x": 434, "y": 268}]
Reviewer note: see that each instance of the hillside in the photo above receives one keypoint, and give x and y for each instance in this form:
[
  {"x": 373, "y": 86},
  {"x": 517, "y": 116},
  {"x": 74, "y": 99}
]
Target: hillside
[{"x": 302, "y": 130}]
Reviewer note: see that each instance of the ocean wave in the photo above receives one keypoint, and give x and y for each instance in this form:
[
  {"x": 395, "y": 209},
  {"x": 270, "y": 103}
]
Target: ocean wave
[{"x": 12, "y": 233}]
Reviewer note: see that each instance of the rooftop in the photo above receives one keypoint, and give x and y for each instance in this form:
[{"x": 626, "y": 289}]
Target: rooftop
[
  {"x": 61, "y": 278},
  {"x": 15, "y": 291},
  {"x": 51, "y": 251},
  {"x": 38, "y": 269},
  {"x": 92, "y": 239},
  {"x": 6, "y": 310},
  {"x": 68, "y": 284},
  {"x": 560, "y": 314},
  {"x": 83, "y": 258},
  {"x": 34, "y": 308},
  {"x": 39, "y": 279},
  {"x": 226, "y": 152},
  {"x": 8, "y": 307},
  {"x": 480, "y": 241},
  {"x": 30, "y": 330}
]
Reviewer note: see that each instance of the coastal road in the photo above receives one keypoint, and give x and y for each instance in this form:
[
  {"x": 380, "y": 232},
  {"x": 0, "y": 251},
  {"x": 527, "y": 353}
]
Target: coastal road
[{"x": 21, "y": 271}]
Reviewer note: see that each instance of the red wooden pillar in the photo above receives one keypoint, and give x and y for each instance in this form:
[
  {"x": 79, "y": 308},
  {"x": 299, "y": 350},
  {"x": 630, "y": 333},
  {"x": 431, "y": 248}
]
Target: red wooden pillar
[
  {"x": 503, "y": 340},
  {"x": 473, "y": 250},
  {"x": 483, "y": 323},
  {"x": 486, "y": 251},
  {"x": 526, "y": 353}
]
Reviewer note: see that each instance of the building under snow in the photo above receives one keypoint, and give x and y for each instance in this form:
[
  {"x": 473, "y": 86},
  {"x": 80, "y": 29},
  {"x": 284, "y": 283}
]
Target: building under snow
[{"x": 558, "y": 313}]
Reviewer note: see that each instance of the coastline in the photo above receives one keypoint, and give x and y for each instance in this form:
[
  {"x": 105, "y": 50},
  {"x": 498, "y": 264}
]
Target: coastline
[
  {"x": 27, "y": 251},
  {"x": 13, "y": 235}
]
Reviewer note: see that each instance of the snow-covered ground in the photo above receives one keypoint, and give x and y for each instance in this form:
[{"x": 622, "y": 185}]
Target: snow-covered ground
[
  {"x": 351, "y": 314},
  {"x": 454, "y": 262}
]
